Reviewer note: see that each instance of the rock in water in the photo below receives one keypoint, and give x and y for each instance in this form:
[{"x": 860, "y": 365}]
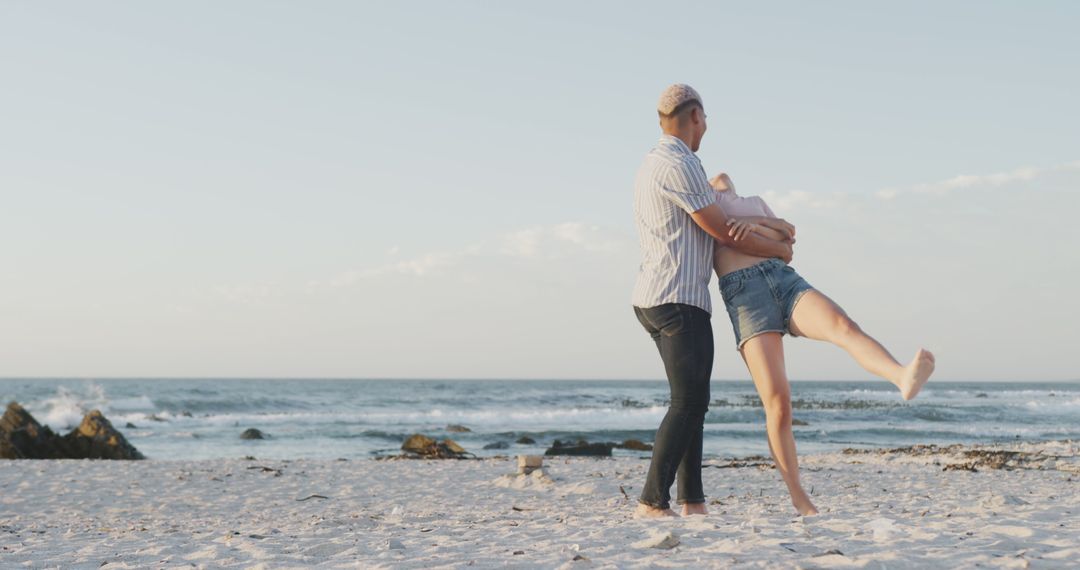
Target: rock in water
[
  {"x": 526, "y": 440},
  {"x": 96, "y": 438},
  {"x": 497, "y": 445},
  {"x": 430, "y": 449},
  {"x": 252, "y": 433},
  {"x": 457, "y": 428},
  {"x": 796, "y": 422},
  {"x": 22, "y": 437},
  {"x": 453, "y": 446},
  {"x": 636, "y": 445},
  {"x": 418, "y": 444},
  {"x": 582, "y": 448}
]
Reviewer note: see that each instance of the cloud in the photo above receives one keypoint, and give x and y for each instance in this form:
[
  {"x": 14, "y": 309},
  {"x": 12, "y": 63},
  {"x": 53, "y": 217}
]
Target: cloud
[
  {"x": 420, "y": 266},
  {"x": 965, "y": 181},
  {"x": 534, "y": 243},
  {"x": 794, "y": 200},
  {"x": 559, "y": 239},
  {"x": 248, "y": 294}
]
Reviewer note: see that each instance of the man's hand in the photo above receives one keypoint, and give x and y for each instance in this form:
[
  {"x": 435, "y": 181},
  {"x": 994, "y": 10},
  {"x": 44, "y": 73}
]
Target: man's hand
[
  {"x": 714, "y": 221},
  {"x": 742, "y": 227},
  {"x": 787, "y": 257},
  {"x": 780, "y": 225}
]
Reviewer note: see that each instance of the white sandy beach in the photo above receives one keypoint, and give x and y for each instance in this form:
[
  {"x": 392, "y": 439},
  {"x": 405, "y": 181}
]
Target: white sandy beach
[{"x": 896, "y": 510}]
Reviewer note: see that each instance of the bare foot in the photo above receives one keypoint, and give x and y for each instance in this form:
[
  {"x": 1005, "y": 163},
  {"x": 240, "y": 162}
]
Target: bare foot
[
  {"x": 803, "y": 505},
  {"x": 694, "y": 509},
  {"x": 649, "y": 512},
  {"x": 916, "y": 374}
]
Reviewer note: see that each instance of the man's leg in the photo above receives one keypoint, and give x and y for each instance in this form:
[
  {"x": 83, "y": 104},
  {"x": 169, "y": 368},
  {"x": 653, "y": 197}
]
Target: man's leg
[
  {"x": 691, "y": 491},
  {"x": 684, "y": 337}
]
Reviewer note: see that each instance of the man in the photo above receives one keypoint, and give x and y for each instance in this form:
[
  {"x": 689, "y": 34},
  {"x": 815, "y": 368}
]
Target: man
[{"x": 677, "y": 221}]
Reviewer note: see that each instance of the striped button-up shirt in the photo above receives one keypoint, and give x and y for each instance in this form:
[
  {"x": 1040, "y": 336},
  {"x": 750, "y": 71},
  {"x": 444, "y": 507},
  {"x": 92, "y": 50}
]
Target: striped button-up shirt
[{"x": 677, "y": 255}]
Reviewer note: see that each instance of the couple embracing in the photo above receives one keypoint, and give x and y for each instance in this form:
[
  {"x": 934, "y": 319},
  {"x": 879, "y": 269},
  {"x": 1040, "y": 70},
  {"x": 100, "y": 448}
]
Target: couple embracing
[{"x": 690, "y": 226}]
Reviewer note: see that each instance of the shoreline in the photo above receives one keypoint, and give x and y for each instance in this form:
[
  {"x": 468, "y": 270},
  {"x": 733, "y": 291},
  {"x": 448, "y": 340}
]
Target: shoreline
[
  {"x": 901, "y": 508},
  {"x": 357, "y": 419}
]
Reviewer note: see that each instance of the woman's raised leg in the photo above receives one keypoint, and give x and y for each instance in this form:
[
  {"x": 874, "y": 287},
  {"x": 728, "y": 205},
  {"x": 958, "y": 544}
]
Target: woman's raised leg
[
  {"x": 764, "y": 356},
  {"x": 818, "y": 317}
]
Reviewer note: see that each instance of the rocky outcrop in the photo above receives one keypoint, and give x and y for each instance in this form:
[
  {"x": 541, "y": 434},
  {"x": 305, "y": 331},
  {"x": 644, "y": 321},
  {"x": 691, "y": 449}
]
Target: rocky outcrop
[
  {"x": 22, "y": 437},
  {"x": 96, "y": 438}
]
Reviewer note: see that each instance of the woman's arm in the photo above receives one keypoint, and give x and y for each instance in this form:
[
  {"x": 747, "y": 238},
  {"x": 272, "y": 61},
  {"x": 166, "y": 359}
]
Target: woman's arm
[
  {"x": 780, "y": 225},
  {"x": 741, "y": 227}
]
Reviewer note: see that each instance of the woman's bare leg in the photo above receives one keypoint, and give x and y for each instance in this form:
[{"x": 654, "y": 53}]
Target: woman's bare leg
[
  {"x": 818, "y": 317},
  {"x": 764, "y": 356}
]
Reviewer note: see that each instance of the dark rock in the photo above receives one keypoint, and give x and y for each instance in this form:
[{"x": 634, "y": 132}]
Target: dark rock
[
  {"x": 581, "y": 448},
  {"x": 635, "y": 444},
  {"x": 22, "y": 437},
  {"x": 252, "y": 433},
  {"x": 453, "y": 446},
  {"x": 795, "y": 422},
  {"x": 985, "y": 395},
  {"x": 427, "y": 448},
  {"x": 156, "y": 418},
  {"x": 96, "y": 438},
  {"x": 526, "y": 440},
  {"x": 186, "y": 414},
  {"x": 418, "y": 444},
  {"x": 455, "y": 428},
  {"x": 497, "y": 445},
  {"x": 130, "y": 425}
]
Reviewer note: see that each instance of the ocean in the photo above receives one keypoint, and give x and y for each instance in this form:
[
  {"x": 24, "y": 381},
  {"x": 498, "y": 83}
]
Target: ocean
[{"x": 328, "y": 419}]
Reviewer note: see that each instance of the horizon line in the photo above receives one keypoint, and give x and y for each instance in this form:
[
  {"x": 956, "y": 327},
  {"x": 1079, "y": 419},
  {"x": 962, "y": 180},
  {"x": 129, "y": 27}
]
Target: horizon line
[{"x": 489, "y": 379}]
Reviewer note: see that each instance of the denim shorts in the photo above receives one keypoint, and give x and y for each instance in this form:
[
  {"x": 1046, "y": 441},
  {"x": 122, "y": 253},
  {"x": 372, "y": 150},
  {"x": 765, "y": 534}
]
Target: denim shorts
[{"x": 761, "y": 298}]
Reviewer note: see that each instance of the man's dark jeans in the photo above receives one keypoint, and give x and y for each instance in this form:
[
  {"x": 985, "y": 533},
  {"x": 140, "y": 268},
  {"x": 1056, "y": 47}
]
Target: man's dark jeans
[{"x": 683, "y": 334}]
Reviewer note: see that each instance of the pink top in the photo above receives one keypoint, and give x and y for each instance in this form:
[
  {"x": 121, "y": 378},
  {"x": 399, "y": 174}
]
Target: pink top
[{"x": 738, "y": 206}]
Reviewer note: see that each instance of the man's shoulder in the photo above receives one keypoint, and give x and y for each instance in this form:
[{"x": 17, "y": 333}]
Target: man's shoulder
[{"x": 665, "y": 159}]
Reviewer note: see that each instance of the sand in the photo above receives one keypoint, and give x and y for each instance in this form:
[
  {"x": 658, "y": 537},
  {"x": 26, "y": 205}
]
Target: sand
[{"x": 879, "y": 510}]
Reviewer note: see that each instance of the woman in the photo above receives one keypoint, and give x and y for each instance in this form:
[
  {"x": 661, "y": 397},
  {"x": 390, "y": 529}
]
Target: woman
[{"x": 765, "y": 299}]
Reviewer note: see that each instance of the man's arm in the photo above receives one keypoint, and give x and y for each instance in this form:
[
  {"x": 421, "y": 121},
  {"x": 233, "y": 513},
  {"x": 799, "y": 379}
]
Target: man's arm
[
  {"x": 713, "y": 220},
  {"x": 744, "y": 226}
]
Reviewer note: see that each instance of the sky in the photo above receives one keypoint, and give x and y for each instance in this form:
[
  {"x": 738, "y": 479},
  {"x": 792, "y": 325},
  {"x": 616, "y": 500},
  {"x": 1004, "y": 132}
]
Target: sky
[{"x": 444, "y": 189}]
